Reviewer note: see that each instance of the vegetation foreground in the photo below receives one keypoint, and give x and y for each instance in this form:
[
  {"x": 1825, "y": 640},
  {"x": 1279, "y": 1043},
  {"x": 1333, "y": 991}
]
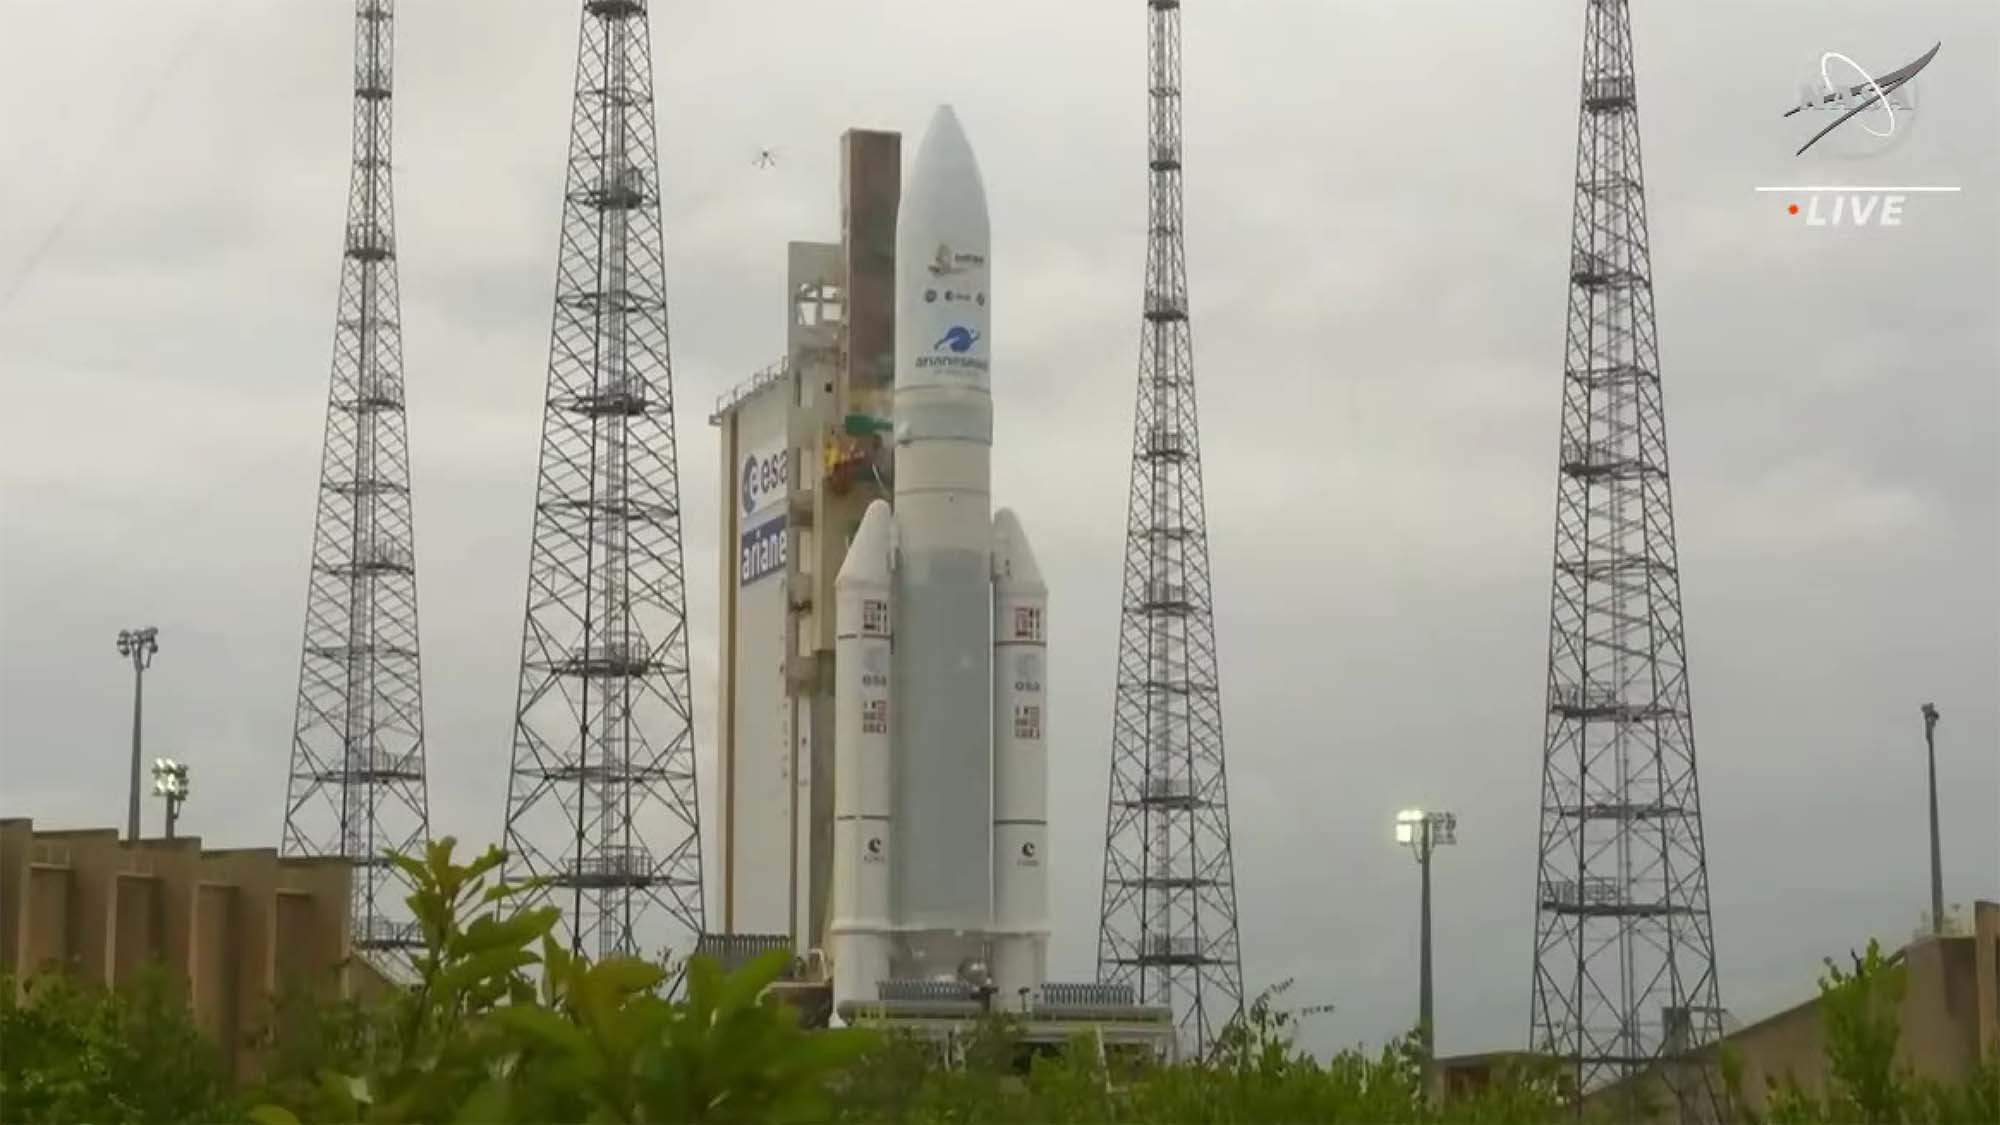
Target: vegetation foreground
[{"x": 479, "y": 1041}]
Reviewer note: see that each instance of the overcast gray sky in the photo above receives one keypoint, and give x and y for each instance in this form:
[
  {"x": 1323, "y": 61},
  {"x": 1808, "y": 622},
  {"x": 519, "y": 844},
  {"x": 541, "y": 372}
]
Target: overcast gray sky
[{"x": 1378, "y": 211}]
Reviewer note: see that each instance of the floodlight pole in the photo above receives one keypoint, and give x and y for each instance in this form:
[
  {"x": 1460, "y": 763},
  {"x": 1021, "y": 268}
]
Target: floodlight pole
[
  {"x": 139, "y": 645},
  {"x": 1930, "y": 712},
  {"x": 1420, "y": 832},
  {"x": 170, "y": 781},
  {"x": 1424, "y": 935},
  {"x": 138, "y": 707}
]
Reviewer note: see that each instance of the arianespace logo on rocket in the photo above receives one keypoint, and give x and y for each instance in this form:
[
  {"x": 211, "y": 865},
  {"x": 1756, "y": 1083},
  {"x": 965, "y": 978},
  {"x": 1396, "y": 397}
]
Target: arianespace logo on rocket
[{"x": 955, "y": 350}]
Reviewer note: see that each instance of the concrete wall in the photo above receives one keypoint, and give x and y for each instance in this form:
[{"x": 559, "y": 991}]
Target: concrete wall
[
  {"x": 1947, "y": 1015},
  {"x": 755, "y": 759},
  {"x": 228, "y": 926}
]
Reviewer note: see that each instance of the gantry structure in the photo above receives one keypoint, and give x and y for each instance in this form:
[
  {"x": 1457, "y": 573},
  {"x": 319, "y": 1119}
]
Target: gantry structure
[
  {"x": 1624, "y": 985},
  {"x": 602, "y": 813},
  {"x": 356, "y": 787},
  {"x": 1168, "y": 921}
]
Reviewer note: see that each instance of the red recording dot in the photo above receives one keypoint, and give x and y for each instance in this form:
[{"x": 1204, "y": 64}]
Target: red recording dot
[{"x": 1795, "y": 209}]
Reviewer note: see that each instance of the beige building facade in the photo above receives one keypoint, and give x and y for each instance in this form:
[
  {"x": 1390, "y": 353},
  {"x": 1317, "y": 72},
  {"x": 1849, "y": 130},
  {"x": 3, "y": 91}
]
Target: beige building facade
[
  {"x": 1950, "y": 1016},
  {"x": 804, "y": 452},
  {"x": 232, "y": 925},
  {"x": 1950, "y": 1019}
]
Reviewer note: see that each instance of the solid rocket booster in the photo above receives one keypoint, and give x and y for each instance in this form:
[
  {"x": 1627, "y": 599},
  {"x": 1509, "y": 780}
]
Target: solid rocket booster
[
  {"x": 862, "y": 827},
  {"x": 941, "y": 650},
  {"x": 1020, "y": 763},
  {"x": 942, "y": 731}
]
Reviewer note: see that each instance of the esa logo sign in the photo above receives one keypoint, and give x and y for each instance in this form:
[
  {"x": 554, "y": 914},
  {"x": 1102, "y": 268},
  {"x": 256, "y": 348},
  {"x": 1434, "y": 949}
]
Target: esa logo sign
[{"x": 762, "y": 481}]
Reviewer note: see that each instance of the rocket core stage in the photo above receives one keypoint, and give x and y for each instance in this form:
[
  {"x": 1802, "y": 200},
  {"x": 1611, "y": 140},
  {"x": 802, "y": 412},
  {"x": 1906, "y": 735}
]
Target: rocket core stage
[{"x": 940, "y": 790}]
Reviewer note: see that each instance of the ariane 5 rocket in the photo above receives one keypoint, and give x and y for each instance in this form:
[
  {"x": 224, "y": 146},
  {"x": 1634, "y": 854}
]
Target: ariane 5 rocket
[{"x": 940, "y": 760}]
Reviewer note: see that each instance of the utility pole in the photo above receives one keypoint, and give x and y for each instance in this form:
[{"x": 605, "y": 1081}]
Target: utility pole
[
  {"x": 1937, "y": 857},
  {"x": 138, "y": 645}
]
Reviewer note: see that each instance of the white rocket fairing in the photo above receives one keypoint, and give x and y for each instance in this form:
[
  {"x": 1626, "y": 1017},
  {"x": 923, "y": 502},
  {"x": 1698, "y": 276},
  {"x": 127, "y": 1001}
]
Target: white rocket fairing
[{"x": 939, "y": 721}]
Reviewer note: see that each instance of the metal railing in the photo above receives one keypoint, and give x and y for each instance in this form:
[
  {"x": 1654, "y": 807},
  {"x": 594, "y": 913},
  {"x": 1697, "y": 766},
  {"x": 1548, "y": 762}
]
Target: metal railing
[
  {"x": 923, "y": 990},
  {"x": 1086, "y": 994},
  {"x": 1162, "y": 305},
  {"x": 366, "y": 240},
  {"x": 1592, "y": 890},
  {"x": 755, "y": 383},
  {"x": 1608, "y": 92},
  {"x": 610, "y": 863},
  {"x": 1583, "y": 697},
  {"x": 1170, "y": 947},
  {"x": 382, "y": 762}
]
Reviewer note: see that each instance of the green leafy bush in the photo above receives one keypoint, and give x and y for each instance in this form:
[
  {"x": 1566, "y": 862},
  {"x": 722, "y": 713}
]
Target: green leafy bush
[
  {"x": 70, "y": 1053},
  {"x": 505, "y": 1025}
]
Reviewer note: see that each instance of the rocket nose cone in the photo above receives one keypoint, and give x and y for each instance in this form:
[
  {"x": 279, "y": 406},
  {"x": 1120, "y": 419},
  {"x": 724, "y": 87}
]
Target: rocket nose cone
[
  {"x": 944, "y": 157},
  {"x": 944, "y": 117},
  {"x": 868, "y": 555},
  {"x": 1013, "y": 560}
]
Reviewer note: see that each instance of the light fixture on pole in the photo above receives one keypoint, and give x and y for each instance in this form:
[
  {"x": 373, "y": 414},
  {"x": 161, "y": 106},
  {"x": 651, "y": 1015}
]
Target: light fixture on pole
[
  {"x": 170, "y": 781},
  {"x": 138, "y": 646},
  {"x": 1423, "y": 833},
  {"x": 1931, "y": 716}
]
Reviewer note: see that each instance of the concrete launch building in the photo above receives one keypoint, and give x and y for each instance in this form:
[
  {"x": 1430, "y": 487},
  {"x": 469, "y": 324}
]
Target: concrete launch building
[
  {"x": 802, "y": 456},
  {"x": 882, "y": 758}
]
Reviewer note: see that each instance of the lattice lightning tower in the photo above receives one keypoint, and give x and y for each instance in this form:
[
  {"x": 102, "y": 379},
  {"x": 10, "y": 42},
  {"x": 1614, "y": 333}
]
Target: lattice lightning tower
[
  {"x": 1624, "y": 976},
  {"x": 601, "y": 801},
  {"x": 1168, "y": 926},
  {"x": 357, "y": 765}
]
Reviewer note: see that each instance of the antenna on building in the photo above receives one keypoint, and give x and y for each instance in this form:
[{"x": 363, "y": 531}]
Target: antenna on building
[
  {"x": 1168, "y": 921},
  {"x": 357, "y": 786},
  {"x": 601, "y": 802},
  {"x": 1624, "y": 972}
]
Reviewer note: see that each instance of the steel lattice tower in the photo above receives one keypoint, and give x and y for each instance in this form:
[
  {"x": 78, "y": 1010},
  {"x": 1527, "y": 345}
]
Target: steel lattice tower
[
  {"x": 357, "y": 764},
  {"x": 1624, "y": 977},
  {"x": 1168, "y": 926},
  {"x": 601, "y": 802}
]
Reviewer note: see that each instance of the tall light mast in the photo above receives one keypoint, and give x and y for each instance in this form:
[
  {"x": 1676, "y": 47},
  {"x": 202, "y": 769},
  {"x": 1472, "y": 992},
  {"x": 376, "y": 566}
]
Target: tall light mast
[
  {"x": 1168, "y": 921},
  {"x": 356, "y": 787},
  {"x": 1624, "y": 972},
  {"x": 601, "y": 801}
]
